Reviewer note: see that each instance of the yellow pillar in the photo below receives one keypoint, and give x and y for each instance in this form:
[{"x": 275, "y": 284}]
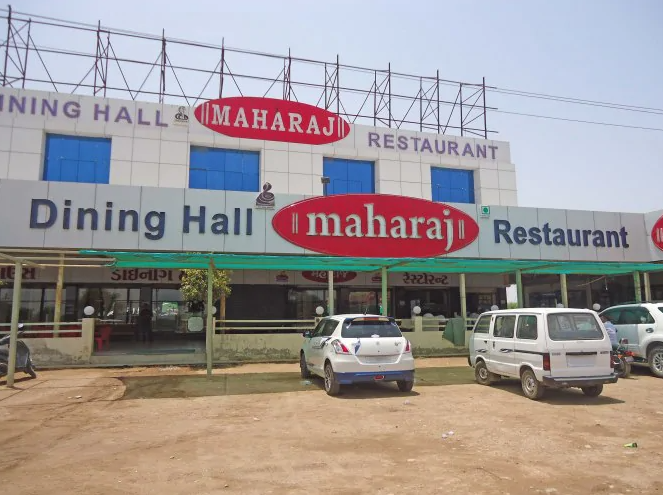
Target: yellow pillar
[
  {"x": 519, "y": 287},
  {"x": 57, "y": 314},
  {"x": 210, "y": 318},
  {"x": 13, "y": 336},
  {"x": 564, "y": 290}
]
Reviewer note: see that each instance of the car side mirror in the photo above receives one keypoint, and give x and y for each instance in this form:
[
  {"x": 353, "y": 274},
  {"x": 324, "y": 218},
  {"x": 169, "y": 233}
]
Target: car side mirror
[{"x": 307, "y": 334}]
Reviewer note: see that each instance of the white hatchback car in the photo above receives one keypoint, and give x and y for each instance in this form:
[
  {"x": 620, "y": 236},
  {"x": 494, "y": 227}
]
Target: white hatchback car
[{"x": 346, "y": 349}]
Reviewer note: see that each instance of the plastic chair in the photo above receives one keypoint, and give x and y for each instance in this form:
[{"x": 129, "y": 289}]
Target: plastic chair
[{"x": 103, "y": 337}]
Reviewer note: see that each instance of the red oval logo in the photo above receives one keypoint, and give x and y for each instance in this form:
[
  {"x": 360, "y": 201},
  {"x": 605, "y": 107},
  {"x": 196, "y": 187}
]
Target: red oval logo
[
  {"x": 657, "y": 234},
  {"x": 321, "y": 276},
  {"x": 375, "y": 226},
  {"x": 271, "y": 120}
]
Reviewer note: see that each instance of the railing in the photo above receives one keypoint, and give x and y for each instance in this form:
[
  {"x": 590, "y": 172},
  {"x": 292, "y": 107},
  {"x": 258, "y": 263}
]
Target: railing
[
  {"x": 263, "y": 326},
  {"x": 42, "y": 330},
  {"x": 435, "y": 325}
]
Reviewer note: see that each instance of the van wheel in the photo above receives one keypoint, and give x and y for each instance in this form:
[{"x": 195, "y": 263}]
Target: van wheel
[
  {"x": 482, "y": 375},
  {"x": 531, "y": 386},
  {"x": 593, "y": 391},
  {"x": 655, "y": 360}
]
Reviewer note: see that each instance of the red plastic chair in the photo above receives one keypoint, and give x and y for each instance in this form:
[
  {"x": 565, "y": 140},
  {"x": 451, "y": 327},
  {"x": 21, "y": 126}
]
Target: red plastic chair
[{"x": 103, "y": 337}]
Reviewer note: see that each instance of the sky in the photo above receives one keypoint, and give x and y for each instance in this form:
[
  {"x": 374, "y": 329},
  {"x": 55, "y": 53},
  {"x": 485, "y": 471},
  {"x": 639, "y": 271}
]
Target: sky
[{"x": 601, "y": 50}]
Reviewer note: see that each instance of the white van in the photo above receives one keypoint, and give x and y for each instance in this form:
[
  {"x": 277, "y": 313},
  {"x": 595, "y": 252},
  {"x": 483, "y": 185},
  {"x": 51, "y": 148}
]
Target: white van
[{"x": 543, "y": 347}]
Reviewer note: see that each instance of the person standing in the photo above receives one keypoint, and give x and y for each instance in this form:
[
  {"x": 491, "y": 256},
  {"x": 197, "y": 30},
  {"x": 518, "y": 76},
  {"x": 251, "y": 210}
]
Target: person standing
[
  {"x": 611, "y": 330},
  {"x": 145, "y": 323}
]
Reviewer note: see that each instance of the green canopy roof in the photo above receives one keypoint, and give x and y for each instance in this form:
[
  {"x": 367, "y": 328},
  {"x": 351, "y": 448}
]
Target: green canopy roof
[{"x": 124, "y": 259}]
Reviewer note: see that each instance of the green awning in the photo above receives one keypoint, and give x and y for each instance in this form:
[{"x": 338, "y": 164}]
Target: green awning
[{"x": 126, "y": 259}]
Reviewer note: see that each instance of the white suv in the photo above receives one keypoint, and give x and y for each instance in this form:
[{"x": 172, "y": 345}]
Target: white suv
[
  {"x": 346, "y": 349},
  {"x": 642, "y": 325}
]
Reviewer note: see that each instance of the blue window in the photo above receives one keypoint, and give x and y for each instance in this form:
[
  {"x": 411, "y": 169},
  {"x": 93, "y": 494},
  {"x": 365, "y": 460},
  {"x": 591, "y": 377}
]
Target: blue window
[
  {"x": 349, "y": 176},
  {"x": 227, "y": 170},
  {"x": 452, "y": 186},
  {"x": 77, "y": 159}
]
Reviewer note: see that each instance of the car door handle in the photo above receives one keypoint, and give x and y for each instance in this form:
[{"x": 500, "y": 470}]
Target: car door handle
[{"x": 650, "y": 330}]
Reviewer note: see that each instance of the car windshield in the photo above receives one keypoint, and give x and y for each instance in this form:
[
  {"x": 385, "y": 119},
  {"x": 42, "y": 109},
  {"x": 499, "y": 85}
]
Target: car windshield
[
  {"x": 360, "y": 328},
  {"x": 573, "y": 326}
]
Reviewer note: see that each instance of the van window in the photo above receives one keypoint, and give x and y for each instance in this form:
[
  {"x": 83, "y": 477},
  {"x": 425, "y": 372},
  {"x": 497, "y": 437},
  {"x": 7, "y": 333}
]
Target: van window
[
  {"x": 504, "y": 326},
  {"x": 527, "y": 327},
  {"x": 482, "y": 325},
  {"x": 573, "y": 326}
]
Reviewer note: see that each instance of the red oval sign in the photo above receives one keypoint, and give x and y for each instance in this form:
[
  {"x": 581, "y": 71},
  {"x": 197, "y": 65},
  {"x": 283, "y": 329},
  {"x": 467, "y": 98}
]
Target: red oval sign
[
  {"x": 657, "y": 234},
  {"x": 375, "y": 226},
  {"x": 271, "y": 120},
  {"x": 321, "y": 276}
]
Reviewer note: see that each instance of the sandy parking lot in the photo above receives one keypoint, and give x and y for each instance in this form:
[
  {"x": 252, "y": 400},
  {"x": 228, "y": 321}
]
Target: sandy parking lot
[{"x": 260, "y": 429}]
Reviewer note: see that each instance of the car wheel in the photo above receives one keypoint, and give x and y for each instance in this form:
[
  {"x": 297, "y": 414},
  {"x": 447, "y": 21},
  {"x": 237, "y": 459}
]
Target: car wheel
[
  {"x": 482, "y": 375},
  {"x": 532, "y": 388},
  {"x": 405, "y": 385},
  {"x": 332, "y": 387},
  {"x": 625, "y": 369},
  {"x": 302, "y": 366},
  {"x": 655, "y": 360},
  {"x": 593, "y": 391}
]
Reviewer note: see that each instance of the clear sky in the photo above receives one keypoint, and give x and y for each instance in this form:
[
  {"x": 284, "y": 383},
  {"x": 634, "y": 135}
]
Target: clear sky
[{"x": 606, "y": 50}]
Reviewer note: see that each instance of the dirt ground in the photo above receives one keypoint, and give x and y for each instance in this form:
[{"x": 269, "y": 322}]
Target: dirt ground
[{"x": 260, "y": 429}]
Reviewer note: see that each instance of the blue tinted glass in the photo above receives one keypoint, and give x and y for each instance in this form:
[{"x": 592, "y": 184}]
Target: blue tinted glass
[
  {"x": 230, "y": 170},
  {"x": 349, "y": 176},
  {"x": 77, "y": 159},
  {"x": 453, "y": 186}
]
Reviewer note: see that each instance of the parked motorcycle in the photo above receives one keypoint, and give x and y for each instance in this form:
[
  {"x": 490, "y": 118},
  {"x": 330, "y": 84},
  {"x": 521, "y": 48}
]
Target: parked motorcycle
[
  {"x": 23, "y": 360},
  {"x": 622, "y": 359}
]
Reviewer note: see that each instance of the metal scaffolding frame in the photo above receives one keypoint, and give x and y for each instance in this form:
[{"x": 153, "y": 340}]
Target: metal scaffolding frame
[{"x": 49, "y": 54}]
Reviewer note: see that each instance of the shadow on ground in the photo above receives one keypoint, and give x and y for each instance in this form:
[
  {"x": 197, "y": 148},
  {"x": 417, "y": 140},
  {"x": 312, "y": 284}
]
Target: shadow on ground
[{"x": 164, "y": 387}]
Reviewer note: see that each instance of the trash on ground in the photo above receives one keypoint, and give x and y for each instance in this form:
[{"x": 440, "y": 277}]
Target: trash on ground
[
  {"x": 306, "y": 382},
  {"x": 632, "y": 445}
]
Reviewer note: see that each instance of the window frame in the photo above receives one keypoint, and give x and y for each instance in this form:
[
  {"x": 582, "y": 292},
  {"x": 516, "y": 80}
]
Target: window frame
[
  {"x": 436, "y": 185},
  {"x": 476, "y": 325},
  {"x": 513, "y": 328},
  {"x": 519, "y": 327},
  {"x": 222, "y": 154}
]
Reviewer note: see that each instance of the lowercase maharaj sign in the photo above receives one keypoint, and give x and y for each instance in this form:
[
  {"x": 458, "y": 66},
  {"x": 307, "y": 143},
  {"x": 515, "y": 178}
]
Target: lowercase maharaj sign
[
  {"x": 375, "y": 226},
  {"x": 657, "y": 234},
  {"x": 271, "y": 120}
]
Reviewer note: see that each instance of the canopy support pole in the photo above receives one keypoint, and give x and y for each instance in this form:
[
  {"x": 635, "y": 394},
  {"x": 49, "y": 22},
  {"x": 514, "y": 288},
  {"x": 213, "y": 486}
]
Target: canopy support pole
[
  {"x": 564, "y": 290},
  {"x": 638, "y": 287},
  {"x": 330, "y": 290},
  {"x": 645, "y": 279},
  {"x": 383, "y": 273},
  {"x": 13, "y": 336},
  {"x": 463, "y": 298},
  {"x": 209, "y": 334},
  {"x": 57, "y": 313},
  {"x": 519, "y": 288}
]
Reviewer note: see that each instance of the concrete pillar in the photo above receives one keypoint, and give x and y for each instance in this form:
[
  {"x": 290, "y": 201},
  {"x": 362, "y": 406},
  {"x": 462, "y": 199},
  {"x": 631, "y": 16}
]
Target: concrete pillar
[
  {"x": 519, "y": 288},
  {"x": 645, "y": 279},
  {"x": 57, "y": 314},
  {"x": 463, "y": 298},
  {"x": 330, "y": 290},
  {"x": 209, "y": 333},
  {"x": 87, "y": 334},
  {"x": 418, "y": 324},
  {"x": 638, "y": 287},
  {"x": 385, "y": 299},
  {"x": 564, "y": 290},
  {"x": 13, "y": 336}
]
